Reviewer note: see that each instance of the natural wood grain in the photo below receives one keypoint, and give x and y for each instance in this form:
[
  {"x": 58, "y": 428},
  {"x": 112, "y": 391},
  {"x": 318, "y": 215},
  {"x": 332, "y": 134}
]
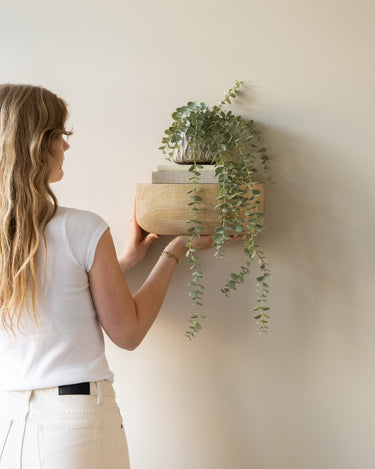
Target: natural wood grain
[{"x": 164, "y": 209}]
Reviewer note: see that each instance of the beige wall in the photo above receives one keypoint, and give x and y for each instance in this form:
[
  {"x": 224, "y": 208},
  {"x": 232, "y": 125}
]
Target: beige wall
[{"x": 302, "y": 396}]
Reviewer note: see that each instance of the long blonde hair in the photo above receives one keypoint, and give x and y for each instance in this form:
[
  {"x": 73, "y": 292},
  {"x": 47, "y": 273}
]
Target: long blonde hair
[{"x": 31, "y": 117}]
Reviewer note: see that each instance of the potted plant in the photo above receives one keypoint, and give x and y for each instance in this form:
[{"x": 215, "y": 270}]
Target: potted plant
[{"x": 198, "y": 135}]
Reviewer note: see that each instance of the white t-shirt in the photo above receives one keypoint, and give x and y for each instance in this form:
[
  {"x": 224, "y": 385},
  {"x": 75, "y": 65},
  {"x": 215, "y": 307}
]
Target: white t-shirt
[{"x": 69, "y": 348}]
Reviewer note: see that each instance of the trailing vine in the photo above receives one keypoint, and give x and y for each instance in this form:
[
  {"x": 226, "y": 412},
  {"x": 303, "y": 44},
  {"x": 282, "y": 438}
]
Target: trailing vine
[
  {"x": 194, "y": 231},
  {"x": 238, "y": 154}
]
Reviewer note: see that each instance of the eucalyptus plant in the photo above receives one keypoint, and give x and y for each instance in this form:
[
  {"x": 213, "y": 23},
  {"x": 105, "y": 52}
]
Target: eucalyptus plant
[{"x": 238, "y": 153}]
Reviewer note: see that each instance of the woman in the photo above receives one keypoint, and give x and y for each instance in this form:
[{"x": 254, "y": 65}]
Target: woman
[{"x": 60, "y": 284}]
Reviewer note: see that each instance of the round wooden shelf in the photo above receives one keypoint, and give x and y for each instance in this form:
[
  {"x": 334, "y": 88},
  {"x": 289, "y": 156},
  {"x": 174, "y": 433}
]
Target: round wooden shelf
[{"x": 164, "y": 208}]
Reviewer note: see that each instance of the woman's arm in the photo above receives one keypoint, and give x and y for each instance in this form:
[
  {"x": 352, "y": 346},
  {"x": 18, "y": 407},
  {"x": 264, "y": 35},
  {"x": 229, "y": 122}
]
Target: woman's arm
[
  {"x": 149, "y": 298},
  {"x": 126, "y": 318}
]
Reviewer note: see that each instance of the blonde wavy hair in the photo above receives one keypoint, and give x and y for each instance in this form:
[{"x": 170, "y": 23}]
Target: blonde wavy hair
[{"x": 31, "y": 117}]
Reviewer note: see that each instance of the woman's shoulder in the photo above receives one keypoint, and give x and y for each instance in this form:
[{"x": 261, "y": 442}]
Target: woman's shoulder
[
  {"x": 74, "y": 216},
  {"x": 75, "y": 212}
]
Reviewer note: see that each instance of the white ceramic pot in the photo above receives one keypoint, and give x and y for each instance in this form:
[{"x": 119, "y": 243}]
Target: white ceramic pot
[{"x": 183, "y": 155}]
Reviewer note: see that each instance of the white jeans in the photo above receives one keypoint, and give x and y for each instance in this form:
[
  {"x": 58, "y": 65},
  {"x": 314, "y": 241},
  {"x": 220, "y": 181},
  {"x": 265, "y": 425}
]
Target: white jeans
[{"x": 41, "y": 429}]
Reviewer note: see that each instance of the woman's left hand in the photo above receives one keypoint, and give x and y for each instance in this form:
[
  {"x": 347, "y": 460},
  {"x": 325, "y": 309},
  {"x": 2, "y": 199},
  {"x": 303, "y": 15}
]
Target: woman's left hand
[{"x": 136, "y": 245}]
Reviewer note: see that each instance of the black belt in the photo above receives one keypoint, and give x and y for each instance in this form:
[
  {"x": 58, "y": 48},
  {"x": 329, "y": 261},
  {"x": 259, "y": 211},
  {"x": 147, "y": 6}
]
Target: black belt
[{"x": 79, "y": 388}]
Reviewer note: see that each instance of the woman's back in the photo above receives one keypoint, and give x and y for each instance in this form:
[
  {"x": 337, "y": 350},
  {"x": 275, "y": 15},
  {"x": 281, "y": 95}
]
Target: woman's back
[{"x": 69, "y": 345}]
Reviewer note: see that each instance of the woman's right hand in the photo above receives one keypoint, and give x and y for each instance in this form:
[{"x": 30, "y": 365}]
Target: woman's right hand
[
  {"x": 200, "y": 244},
  {"x": 178, "y": 245}
]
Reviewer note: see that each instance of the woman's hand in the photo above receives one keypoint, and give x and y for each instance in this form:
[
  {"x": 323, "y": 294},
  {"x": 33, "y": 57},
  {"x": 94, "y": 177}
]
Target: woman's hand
[
  {"x": 178, "y": 245},
  {"x": 200, "y": 244},
  {"x": 136, "y": 245}
]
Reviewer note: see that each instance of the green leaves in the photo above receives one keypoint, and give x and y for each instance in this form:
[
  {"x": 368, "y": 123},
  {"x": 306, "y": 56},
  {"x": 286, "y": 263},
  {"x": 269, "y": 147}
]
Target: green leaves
[
  {"x": 236, "y": 148},
  {"x": 196, "y": 292},
  {"x": 233, "y": 92}
]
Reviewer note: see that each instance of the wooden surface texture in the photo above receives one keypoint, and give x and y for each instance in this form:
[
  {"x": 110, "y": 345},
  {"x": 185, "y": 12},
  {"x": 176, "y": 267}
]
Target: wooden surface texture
[{"x": 164, "y": 209}]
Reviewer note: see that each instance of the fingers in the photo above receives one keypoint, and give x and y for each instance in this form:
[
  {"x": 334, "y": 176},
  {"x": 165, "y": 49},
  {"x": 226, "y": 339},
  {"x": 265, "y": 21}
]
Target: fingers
[
  {"x": 134, "y": 210},
  {"x": 203, "y": 243},
  {"x": 235, "y": 238},
  {"x": 150, "y": 238},
  {"x": 210, "y": 240},
  {"x": 134, "y": 224}
]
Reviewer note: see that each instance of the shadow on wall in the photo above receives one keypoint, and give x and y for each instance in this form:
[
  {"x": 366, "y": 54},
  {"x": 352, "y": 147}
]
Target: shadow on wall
[{"x": 319, "y": 240}]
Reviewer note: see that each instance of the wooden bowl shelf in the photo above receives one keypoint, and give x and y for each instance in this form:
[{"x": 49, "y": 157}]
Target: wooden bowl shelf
[{"x": 163, "y": 208}]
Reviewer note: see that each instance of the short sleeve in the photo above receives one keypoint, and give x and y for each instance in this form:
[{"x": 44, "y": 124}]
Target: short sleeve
[{"x": 83, "y": 231}]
